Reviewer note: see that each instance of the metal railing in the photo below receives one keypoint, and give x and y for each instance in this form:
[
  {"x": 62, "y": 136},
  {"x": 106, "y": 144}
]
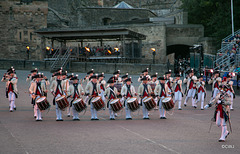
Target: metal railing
[
  {"x": 61, "y": 60},
  {"x": 229, "y": 36},
  {"x": 225, "y": 62}
]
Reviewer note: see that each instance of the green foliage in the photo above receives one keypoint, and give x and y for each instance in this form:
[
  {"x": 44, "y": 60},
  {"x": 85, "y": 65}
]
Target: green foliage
[{"x": 214, "y": 15}]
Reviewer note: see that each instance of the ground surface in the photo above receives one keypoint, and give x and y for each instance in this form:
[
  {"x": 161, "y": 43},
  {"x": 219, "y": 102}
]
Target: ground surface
[{"x": 184, "y": 132}]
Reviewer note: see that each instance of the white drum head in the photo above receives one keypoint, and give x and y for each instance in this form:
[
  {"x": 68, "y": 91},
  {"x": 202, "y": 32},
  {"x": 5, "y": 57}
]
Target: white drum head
[
  {"x": 76, "y": 100},
  {"x": 166, "y": 99},
  {"x": 40, "y": 99},
  {"x": 59, "y": 98},
  {"x": 146, "y": 99},
  {"x": 129, "y": 100},
  {"x": 96, "y": 99},
  {"x": 114, "y": 101}
]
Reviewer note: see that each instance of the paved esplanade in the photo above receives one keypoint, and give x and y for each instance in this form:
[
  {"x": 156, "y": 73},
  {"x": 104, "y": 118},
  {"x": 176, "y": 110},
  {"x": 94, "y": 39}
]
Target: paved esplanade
[{"x": 184, "y": 132}]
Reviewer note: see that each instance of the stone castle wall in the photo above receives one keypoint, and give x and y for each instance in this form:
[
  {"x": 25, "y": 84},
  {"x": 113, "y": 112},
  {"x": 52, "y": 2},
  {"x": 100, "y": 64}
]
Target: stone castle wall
[{"x": 18, "y": 26}]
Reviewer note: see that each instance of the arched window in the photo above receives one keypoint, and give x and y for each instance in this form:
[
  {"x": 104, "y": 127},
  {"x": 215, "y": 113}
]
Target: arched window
[{"x": 106, "y": 21}]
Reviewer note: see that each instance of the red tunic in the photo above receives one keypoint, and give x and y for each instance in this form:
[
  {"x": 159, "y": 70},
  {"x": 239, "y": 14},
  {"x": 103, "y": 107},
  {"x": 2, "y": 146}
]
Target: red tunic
[
  {"x": 216, "y": 85},
  {"x": 10, "y": 88},
  {"x": 128, "y": 95},
  {"x": 191, "y": 85},
  {"x": 58, "y": 92},
  {"x": 200, "y": 89},
  {"x": 220, "y": 108},
  {"x": 145, "y": 94},
  {"x": 177, "y": 88},
  {"x": 101, "y": 86}
]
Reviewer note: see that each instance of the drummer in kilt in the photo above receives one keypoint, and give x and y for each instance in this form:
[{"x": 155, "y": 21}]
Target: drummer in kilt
[
  {"x": 37, "y": 90},
  {"x": 127, "y": 91},
  {"x": 75, "y": 91},
  {"x": 92, "y": 90},
  {"x": 110, "y": 94},
  {"x": 57, "y": 90},
  {"x": 161, "y": 91},
  {"x": 144, "y": 90}
]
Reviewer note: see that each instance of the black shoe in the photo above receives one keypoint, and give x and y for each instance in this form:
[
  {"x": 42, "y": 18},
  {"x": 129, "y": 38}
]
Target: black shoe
[
  {"x": 127, "y": 118},
  {"x": 15, "y": 108},
  {"x": 35, "y": 117},
  {"x": 59, "y": 120},
  {"x": 227, "y": 135},
  {"x": 185, "y": 105},
  {"x": 232, "y": 109},
  {"x": 195, "y": 107},
  {"x": 39, "y": 120},
  {"x": 130, "y": 118},
  {"x": 161, "y": 117},
  {"x": 11, "y": 111},
  {"x": 111, "y": 118},
  {"x": 92, "y": 119},
  {"x": 96, "y": 119},
  {"x": 147, "y": 118},
  {"x": 68, "y": 116},
  {"x": 164, "y": 118},
  {"x": 221, "y": 140},
  {"x": 76, "y": 119},
  {"x": 202, "y": 109},
  {"x": 179, "y": 109}
]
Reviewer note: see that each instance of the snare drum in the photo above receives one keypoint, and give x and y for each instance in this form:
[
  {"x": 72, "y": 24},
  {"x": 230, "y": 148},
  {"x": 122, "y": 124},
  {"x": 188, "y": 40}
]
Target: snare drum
[
  {"x": 149, "y": 103},
  {"x": 42, "y": 103},
  {"x": 132, "y": 104},
  {"x": 62, "y": 102},
  {"x": 97, "y": 102},
  {"x": 167, "y": 103},
  {"x": 79, "y": 105},
  {"x": 116, "y": 105}
]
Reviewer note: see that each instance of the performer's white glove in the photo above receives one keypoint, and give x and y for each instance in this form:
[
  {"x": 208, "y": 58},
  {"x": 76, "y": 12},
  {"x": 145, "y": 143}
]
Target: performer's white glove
[{"x": 206, "y": 106}]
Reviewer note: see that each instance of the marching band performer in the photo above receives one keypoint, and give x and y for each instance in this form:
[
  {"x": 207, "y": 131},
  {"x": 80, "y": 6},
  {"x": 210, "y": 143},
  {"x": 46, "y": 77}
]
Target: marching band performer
[
  {"x": 102, "y": 85},
  {"x": 54, "y": 77},
  {"x": 30, "y": 79},
  {"x": 44, "y": 83},
  {"x": 188, "y": 78},
  {"x": 161, "y": 91},
  {"x": 144, "y": 73},
  {"x": 124, "y": 78},
  {"x": 11, "y": 88},
  {"x": 153, "y": 83},
  {"x": 37, "y": 90},
  {"x": 110, "y": 94},
  {"x": 201, "y": 91},
  {"x": 221, "y": 115},
  {"x": 92, "y": 90},
  {"x": 191, "y": 91},
  {"x": 119, "y": 79},
  {"x": 67, "y": 84},
  {"x": 33, "y": 73},
  {"x": 88, "y": 76},
  {"x": 57, "y": 90},
  {"x": 169, "y": 80},
  {"x": 178, "y": 94},
  {"x": 230, "y": 91},
  {"x": 75, "y": 91},
  {"x": 128, "y": 91},
  {"x": 215, "y": 85},
  {"x": 144, "y": 90}
]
